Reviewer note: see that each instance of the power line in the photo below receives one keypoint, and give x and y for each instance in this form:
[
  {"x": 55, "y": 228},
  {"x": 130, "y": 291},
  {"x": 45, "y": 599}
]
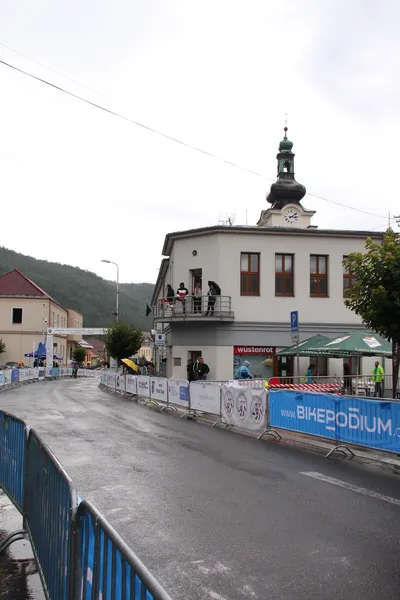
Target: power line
[{"x": 155, "y": 131}]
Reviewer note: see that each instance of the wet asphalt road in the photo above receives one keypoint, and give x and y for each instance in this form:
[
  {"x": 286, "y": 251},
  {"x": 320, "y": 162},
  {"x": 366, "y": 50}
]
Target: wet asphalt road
[{"x": 217, "y": 515}]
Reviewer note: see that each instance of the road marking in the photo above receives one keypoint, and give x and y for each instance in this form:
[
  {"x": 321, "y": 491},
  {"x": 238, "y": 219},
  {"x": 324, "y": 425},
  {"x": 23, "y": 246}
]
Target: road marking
[{"x": 351, "y": 487}]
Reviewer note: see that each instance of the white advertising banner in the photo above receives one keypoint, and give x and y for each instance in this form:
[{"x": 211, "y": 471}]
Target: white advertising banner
[
  {"x": 159, "y": 388},
  {"x": 23, "y": 375},
  {"x": 244, "y": 407},
  {"x": 143, "y": 386},
  {"x": 33, "y": 374},
  {"x": 131, "y": 384},
  {"x": 178, "y": 392},
  {"x": 120, "y": 383},
  {"x": 7, "y": 376},
  {"x": 111, "y": 380},
  {"x": 205, "y": 396},
  {"x": 1, "y": 378},
  {"x": 49, "y": 353}
]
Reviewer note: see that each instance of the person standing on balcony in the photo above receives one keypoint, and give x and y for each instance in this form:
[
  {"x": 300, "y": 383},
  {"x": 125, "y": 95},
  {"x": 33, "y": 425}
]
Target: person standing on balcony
[
  {"x": 213, "y": 292},
  {"x": 170, "y": 294},
  {"x": 182, "y": 292},
  {"x": 200, "y": 369},
  {"x": 378, "y": 376},
  {"x": 197, "y": 298}
]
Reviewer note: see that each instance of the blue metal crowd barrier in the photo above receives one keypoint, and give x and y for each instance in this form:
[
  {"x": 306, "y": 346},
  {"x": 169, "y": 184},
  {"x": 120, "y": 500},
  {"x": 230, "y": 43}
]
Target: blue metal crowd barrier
[
  {"x": 77, "y": 552},
  {"x": 12, "y": 457},
  {"x": 108, "y": 568},
  {"x": 50, "y": 508}
]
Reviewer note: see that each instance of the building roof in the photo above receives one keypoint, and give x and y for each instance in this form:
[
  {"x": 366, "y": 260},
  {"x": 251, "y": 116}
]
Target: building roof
[
  {"x": 97, "y": 345},
  {"x": 311, "y": 231},
  {"x": 161, "y": 274},
  {"x": 16, "y": 284}
]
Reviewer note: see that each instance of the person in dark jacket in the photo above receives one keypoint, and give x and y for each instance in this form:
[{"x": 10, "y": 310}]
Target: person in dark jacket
[
  {"x": 200, "y": 369},
  {"x": 212, "y": 298},
  {"x": 189, "y": 369},
  {"x": 347, "y": 386},
  {"x": 170, "y": 294},
  {"x": 181, "y": 293}
]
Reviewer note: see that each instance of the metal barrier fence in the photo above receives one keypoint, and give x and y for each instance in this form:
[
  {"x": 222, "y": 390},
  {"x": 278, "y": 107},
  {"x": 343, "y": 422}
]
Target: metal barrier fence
[
  {"x": 253, "y": 405},
  {"x": 12, "y": 457},
  {"x": 77, "y": 552},
  {"x": 107, "y": 567},
  {"x": 49, "y": 513}
]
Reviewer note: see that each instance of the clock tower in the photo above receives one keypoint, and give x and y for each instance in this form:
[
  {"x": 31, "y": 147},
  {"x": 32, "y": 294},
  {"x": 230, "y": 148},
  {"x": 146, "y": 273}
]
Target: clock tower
[{"x": 285, "y": 194}]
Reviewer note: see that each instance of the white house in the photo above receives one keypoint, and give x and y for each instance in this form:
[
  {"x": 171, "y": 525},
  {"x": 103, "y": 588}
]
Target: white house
[{"x": 265, "y": 271}]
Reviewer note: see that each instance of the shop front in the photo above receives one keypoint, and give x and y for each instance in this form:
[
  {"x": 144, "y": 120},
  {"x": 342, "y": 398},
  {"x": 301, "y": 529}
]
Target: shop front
[{"x": 259, "y": 361}]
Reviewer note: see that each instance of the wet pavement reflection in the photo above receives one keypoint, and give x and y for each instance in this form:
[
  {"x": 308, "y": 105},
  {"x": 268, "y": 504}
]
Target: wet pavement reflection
[{"x": 18, "y": 577}]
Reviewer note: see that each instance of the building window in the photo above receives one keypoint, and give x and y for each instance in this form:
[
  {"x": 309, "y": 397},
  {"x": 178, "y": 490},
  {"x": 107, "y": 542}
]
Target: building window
[
  {"x": 284, "y": 275},
  {"x": 349, "y": 279},
  {"x": 318, "y": 276},
  {"x": 17, "y": 316},
  {"x": 249, "y": 274}
]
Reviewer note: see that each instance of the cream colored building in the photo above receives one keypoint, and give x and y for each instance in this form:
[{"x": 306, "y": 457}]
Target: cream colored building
[
  {"x": 26, "y": 311},
  {"x": 282, "y": 264}
]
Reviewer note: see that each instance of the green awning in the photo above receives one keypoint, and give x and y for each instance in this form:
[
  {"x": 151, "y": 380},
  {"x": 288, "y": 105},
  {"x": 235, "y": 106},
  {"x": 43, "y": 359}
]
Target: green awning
[
  {"x": 308, "y": 347},
  {"x": 356, "y": 343}
]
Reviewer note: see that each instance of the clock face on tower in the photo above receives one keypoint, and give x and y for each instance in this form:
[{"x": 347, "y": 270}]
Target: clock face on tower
[{"x": 291, "y": 216}]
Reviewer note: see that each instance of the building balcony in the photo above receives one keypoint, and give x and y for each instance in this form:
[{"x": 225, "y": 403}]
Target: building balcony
[{"x": 194, "y": 309}]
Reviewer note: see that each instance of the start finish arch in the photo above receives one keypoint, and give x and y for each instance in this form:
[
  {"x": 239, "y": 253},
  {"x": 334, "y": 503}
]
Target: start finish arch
[{"x": 52, "y": 331}]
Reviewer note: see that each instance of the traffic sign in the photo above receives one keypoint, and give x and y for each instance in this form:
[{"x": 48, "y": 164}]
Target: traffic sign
[
  {"x": 295, "y": 337},
  {"x": 159, "y": 339},
  {"x": 294, "y": 321}
]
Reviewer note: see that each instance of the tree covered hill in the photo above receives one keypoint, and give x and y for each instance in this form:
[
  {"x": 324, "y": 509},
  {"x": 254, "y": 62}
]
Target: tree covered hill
[{"x": 83, "y": 291}]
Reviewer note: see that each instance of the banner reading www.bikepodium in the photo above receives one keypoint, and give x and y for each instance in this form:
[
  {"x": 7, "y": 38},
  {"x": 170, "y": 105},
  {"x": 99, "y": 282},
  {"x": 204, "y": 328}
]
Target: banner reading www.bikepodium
[
  {"x": 244, "y": 407},
  {"x": 372, "y": 423}
]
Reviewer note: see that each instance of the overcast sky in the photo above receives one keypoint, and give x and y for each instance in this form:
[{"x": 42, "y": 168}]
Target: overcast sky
[{"x": 78, "y": 185}]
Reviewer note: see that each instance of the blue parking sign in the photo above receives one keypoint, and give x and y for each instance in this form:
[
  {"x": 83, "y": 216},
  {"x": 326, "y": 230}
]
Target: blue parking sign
[{"x": 294, "y": 320}]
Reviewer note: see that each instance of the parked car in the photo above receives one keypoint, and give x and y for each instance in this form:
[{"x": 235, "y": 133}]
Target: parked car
[{"x": 11, "y": 365}]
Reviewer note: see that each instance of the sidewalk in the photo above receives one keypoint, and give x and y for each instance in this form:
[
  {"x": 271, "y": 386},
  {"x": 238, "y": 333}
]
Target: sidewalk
[{"x": 17, "y": 578}]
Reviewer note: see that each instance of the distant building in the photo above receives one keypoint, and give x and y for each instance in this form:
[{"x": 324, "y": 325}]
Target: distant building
[
  {"x": 282, "y": 264},
  {"x": 146, "y": 349},
  {"x": 26, "y": 311}
]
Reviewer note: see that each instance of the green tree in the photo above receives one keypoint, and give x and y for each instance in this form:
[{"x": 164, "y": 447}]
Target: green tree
[
  {"x": 2, "y": 346},
  {"x": 123, "y": 340},
  {"x": 375, "y": 296},
  {"x": 79, "y": 354}
]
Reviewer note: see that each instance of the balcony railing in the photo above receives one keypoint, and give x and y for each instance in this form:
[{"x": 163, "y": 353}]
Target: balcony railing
[{"x": 205, "y": 308}]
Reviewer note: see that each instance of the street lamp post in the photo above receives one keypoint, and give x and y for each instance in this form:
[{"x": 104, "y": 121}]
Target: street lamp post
[{"x": 110, "y": 262}]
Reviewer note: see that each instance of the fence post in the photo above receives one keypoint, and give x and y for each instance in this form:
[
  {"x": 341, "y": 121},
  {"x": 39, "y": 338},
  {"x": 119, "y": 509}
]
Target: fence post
[
  {"x": 190, "y": 413},
  {"x": 168, "y": 405},
  {"x": 221, "y": 421},
  {"x": 269, "y": 430}
]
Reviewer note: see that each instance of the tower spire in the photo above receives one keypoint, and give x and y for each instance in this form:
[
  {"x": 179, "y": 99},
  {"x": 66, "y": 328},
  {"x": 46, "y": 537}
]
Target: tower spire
[{"x": 286, "y": 190}]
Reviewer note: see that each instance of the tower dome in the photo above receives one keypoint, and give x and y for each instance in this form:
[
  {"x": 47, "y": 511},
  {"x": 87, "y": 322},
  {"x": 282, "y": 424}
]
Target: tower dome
[{"x": 286, "y": 190}]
